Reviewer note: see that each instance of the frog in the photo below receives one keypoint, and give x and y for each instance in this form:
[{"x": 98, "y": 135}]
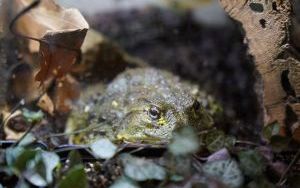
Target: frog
[{"x": 141, "y": 105}]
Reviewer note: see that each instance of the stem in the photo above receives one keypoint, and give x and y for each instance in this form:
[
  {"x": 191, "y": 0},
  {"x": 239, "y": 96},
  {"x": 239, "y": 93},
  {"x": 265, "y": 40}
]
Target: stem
[
  {"x": 246, "y": 142},
  {"x": 74, "y": 132},
  {"x": 137, "y": 150}
]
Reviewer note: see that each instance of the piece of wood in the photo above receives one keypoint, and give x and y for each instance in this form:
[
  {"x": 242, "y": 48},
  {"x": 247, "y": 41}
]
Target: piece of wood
[{"x": 267, "y": 25}]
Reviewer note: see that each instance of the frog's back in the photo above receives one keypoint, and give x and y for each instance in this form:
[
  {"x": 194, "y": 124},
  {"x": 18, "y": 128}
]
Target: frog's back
[{"x": 148, "y": 83}]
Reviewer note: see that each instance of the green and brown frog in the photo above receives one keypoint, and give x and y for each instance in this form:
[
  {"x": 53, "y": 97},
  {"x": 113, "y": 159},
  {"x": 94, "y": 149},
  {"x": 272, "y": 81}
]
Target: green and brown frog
[{"x": 141, "y": 105}]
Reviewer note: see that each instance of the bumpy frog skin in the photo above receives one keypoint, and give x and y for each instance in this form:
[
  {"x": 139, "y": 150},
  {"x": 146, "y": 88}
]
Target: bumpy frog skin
[{"x": 141, "y": 105}]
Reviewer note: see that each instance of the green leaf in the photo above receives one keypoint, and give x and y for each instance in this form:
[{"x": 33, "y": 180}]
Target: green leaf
[
  {"x": 36, "y": 166},
  {"x": 24, "y": 158},
  {"x": 251, "y": 162},
  {"x": 75, "y": 177},
  {"x": 124, "y": 182},
  {"x": 103, "y": 148},
  {"x": 51, "y": 160},
  {"x": 32, "y": 117},
  {"x": 216, "y": 140},
  {"x": 141, "y": 169},
  {"x": 271, "y": 130},
  {"x": 36, "y": 172},
  {"x": 184, "y": 141},
  {"x": 22, "y": 184},
  {"x": 28, "y": 139},
  {"x": 225, "y": 170},
  {"x": 176, "y": 178},
  {"x": 74, "y": 158},
  {"x": 11, "y": 154}
]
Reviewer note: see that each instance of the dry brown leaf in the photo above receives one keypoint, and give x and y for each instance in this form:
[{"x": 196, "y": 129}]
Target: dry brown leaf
[
  {"x": 46, "y": 104},
  {"x": 57, "y": 61},
  {"x": 67, "y": 90},
  {"x": 60, "y": 33}
]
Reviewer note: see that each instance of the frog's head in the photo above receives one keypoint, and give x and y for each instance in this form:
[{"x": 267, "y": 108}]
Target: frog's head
[{"x": 153, "y": 120}]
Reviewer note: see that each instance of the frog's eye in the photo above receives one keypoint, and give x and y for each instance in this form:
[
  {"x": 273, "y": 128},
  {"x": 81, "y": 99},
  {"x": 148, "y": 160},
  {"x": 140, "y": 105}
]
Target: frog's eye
[
  {"x": 196, "y": 106},
  {"x": 154, "y": 112}
]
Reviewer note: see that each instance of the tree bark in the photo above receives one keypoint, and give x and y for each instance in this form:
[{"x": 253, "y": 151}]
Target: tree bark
[{"x": 267, "y": 25}]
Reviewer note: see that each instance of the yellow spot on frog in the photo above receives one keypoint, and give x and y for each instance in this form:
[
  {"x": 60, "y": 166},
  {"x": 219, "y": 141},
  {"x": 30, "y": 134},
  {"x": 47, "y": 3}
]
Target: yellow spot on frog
[
  {"x": 114, "y": 104},
  {"x": 123, "y": 136},
  {"x": 162, "y": 121}
]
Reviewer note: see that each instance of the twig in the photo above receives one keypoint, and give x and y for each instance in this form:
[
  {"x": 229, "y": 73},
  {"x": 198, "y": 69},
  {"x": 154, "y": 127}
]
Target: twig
[
  {"x": 137, "y": 150},
  {"x": 86, "y": 129},
  {"x": 246, "y": 143},
  {"x": 206, "y": 131}
]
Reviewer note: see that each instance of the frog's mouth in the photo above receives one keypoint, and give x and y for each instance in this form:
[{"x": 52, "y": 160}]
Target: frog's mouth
[
  {"x": 140, "y": 138},
  {"x": 136, "y": 127},
  {"x": 143, "y": 133}
]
